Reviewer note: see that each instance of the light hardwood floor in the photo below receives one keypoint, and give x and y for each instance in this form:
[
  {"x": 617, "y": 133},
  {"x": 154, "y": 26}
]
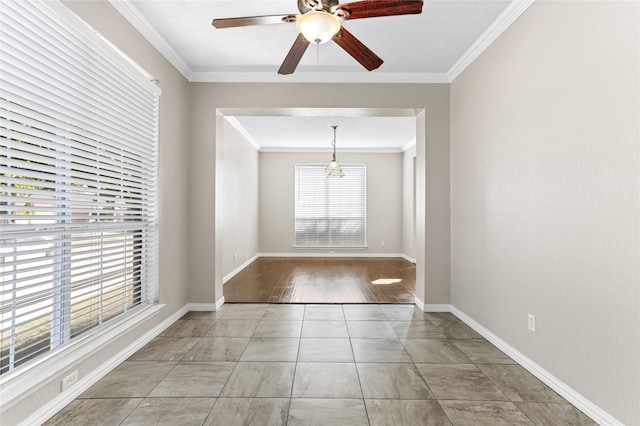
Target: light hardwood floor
[{"x": 324, "y": 280}]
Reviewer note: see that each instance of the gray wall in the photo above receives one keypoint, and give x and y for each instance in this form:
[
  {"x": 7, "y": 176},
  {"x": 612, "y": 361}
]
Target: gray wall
[
  {"x": 384, "y": 201},
  {"x": 545, "y": 195}
]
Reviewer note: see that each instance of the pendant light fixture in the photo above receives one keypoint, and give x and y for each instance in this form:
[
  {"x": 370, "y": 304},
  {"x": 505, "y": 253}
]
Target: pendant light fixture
[{"x": 333, "y": 168}]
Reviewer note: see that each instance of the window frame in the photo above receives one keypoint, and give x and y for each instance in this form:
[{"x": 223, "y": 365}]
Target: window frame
[
  {"x": 145, "y": 287},
  {"x": 320, "y": 171}
]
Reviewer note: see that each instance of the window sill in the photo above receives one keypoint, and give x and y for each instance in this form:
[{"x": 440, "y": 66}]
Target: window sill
[
  {"x": 18, "y": 384},
  {"x": 299, "y": 247}
]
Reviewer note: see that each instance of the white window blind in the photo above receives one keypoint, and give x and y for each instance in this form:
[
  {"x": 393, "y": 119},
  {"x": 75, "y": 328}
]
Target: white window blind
[
  {"x": 78, "y": 181},
  {"x": 330, "y": 211}
]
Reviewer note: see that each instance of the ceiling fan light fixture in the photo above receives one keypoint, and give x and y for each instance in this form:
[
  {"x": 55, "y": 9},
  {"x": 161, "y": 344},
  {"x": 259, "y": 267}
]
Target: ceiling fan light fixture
[{"x": 318, "y": 26}]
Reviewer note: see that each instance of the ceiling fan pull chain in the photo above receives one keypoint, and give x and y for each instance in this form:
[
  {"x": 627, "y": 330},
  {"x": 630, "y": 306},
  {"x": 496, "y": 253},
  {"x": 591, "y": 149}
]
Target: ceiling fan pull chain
[{"x": 317, "y": 53}]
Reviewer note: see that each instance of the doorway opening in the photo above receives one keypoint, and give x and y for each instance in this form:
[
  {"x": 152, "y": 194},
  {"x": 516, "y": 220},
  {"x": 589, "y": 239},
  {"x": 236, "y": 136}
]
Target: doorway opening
[{"x": 257, "y": 269}]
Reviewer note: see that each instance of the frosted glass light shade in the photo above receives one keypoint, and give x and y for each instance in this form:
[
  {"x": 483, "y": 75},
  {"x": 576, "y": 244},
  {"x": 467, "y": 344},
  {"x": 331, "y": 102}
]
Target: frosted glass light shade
[
  {"x": 318, "y": 26},
  {"x": 334, "y": 169}
]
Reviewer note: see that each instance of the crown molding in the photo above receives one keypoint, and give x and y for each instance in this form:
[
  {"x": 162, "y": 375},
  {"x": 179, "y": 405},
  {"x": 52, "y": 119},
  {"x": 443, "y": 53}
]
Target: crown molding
[
  {"x": 135, "y": 18},
  {"x": 318, "y": 77},
  {"x": 407, "y": 146},
  {"x": 256, "y": 145},
  {"x": 329, "y": 150},
  {"x": 240, "y": 128},
  {"x": 506, "y": 18}
]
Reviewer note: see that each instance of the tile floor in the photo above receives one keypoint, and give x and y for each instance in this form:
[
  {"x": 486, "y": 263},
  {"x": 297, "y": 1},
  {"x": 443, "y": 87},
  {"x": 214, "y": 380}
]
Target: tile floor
[{"x": 260, "y": 364}]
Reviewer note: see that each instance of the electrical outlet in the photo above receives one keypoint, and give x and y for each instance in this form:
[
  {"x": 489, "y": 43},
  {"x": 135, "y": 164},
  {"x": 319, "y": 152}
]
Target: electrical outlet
[
  {"x": 234, "y": 257},
  {"x": 382, "y": 243},
  {"x": 532, "y": 323},
  {"x": 70, "y": 380}
]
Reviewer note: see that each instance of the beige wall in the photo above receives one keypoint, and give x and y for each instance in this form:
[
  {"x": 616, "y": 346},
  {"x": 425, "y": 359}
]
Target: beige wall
[
  {"x": 384, "y": 198},
  {"x": 210, "y": 100},
  {"x": 174, "y": 110},
  {"x": 240, "y": 199},
  {"x": 545, "y": 195}
]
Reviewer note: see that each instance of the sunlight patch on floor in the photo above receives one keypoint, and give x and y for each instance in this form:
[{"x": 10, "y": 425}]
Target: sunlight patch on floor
[{"x": 385, "y": 281}]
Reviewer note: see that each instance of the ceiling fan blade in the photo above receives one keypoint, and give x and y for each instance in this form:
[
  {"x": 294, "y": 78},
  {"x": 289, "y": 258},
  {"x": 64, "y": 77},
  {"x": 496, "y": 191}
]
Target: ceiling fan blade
[
  {"x": 253, "y": 20},
  {"x": 359, "y": 51},
  {"x": 374, "y": 8},
  {"x": 293, "y": 57}
]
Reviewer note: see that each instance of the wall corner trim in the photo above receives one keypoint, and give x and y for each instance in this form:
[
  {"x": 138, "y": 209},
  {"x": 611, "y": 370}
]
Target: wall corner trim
[{"x": 583, "y": 404}]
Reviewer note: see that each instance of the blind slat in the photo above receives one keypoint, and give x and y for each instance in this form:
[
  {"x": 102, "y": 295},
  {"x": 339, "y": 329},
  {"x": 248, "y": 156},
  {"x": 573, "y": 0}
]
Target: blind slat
[{"x": 78, "y": 181}]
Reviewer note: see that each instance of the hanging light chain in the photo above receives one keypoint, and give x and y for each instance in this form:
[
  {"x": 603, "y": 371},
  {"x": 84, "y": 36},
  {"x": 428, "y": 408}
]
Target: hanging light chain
[
  {"x": 333, "y": 143},
  {"x": 334, "y": 169}
]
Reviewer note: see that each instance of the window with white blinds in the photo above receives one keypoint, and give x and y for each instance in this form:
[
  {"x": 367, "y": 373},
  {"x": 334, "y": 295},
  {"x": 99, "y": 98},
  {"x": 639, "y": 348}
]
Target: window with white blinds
[
  {"x": 330, "y": 211},
  {"x": 78, "y": 181}
]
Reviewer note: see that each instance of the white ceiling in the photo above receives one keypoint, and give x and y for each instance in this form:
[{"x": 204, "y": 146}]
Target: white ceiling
[{"x": 434, "y": 46}]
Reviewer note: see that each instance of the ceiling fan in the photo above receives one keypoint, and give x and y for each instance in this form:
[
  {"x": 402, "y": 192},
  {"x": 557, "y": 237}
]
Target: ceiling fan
[{"x": 320, "y": 21}]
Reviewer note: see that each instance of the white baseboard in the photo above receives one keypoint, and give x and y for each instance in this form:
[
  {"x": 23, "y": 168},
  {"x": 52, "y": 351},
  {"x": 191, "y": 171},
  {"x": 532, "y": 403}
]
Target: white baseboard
[
  {"x": 419, "y": 303},
  {"x": 597, "y": 414},
  {"x": 407, "y": 258},
  {"x": 440, "y": 307},
  {"x": 219, "y": 303},
  {"x": 326, "y": 254},
  {"x": 52, "y": 407},
  {"x": 205, "y": 307},
  {"x": 238, "y": 269}
]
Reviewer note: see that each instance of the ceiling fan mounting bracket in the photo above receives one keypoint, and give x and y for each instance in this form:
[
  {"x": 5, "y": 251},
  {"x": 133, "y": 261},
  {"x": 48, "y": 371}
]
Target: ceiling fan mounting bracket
[
  {"x": 289, "y": 19},
  {"x": 305, "y": 6},
  {"x": 342, "y": 13}
]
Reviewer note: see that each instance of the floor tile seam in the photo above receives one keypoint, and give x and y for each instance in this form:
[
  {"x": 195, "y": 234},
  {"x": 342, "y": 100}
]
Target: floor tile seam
[
  {"x": 415, "y": 362},
  {"x": 190, "y": 349},
  {"x": 359, "y": 379},
  {"x": 472, "y": 401},
  {"x": 173, "y": 397},
  {"x": 499, "y": 387},
  {"x": 443, "y": 410},
  {"x": 226, "y": 382},
  {"x": 508, "y": 399},
  {"x": 108, "y": 397},
  {"x": 293, "y": 376},
  {"x": 162, "y": 379},
  {"x": 131, "y": 412}
]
